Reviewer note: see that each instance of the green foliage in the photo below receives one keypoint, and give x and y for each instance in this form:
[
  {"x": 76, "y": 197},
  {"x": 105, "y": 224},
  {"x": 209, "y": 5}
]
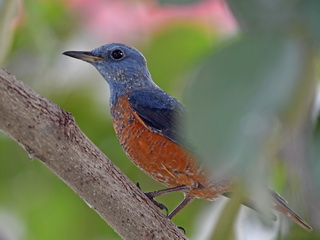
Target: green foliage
[
  {"x": 47, "y": 207},
  {"x": 45, "y": 25},
  {"x": 174, "y": 50},
  {"x": 278, "y": 16},
  {"x": 315, "y": 153},
  {"x": 8, "y": 11},
  {"x": 263, "y": 76},
  {"x": 244, "y": 98},
  {"x": 228, "y": 217},
  {"x": 247, "y": 99}
]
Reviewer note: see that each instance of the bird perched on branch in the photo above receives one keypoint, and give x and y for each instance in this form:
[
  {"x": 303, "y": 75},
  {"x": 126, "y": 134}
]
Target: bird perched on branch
[{"x": 145, "y": 119}]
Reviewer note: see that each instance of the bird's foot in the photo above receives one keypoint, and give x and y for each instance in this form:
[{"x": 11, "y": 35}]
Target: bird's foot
[
  {"x": 186, "y": 201},
  {"x": 182, "y": 230},
  {"x": 151, "y": 197}
]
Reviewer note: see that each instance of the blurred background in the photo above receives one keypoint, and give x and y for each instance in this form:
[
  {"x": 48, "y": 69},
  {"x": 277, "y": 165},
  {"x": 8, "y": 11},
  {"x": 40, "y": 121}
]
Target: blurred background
[{"x": 247, "y": 70}]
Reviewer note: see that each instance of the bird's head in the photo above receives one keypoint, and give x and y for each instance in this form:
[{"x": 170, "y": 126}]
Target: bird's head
[{"x": 122, "y": 66}]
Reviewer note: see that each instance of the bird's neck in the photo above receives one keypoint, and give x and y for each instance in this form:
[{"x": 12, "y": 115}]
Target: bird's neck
[{"x": 120, "y": 89}]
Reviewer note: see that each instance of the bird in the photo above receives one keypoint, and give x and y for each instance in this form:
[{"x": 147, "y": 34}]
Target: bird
[{"x": 146, "y": 121}]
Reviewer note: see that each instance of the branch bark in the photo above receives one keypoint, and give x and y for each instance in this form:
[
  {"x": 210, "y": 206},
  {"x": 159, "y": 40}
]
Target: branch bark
[{"x": 50, "y": 134}]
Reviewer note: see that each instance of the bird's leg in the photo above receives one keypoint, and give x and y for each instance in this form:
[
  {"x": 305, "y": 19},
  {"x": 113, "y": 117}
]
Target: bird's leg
[
  {"x": 152, "y": 195},
  {"x": 167, "y": 190},
  {"x": 187, "y": 199},
  {"x": 159, "y": 205}
]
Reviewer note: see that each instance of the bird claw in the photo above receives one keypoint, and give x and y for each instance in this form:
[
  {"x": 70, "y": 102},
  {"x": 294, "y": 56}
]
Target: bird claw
[
  {"x": 158, "y": 204},
  {"x": 150, "y": 195},
  {"x": 182, "y": 230}
]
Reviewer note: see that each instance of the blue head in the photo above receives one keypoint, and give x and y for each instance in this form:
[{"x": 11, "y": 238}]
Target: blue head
[{"x": 122, "y": 66}]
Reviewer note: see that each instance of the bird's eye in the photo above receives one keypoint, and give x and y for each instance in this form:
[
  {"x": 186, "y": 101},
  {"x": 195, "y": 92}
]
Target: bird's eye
[{"x": 117, "y": 54}]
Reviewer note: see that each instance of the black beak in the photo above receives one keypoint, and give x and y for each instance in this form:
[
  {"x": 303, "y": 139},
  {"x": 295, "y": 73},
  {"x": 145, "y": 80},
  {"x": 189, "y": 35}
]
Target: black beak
[{"x": 85, "y": 56}]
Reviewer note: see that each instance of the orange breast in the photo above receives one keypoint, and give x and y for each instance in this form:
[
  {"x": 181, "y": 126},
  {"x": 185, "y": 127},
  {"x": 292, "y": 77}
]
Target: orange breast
[{"x": 159, "y": 157}]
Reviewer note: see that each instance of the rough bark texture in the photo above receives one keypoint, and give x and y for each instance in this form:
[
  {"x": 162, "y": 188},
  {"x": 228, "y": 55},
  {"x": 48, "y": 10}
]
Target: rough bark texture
[{"x": 50, "y": 134}]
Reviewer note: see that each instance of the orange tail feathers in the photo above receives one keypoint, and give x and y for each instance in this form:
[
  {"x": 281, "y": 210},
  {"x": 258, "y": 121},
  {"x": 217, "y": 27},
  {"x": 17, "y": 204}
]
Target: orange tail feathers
[{"x": 282, "y": 206}]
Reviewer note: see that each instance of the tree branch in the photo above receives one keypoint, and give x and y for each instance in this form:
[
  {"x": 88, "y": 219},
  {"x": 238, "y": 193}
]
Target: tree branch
[{"x": 50, "y": 134}]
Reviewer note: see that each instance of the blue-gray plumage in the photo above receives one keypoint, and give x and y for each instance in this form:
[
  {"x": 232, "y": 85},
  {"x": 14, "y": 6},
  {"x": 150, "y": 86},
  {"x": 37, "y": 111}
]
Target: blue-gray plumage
[
  {"x": 124, "y": 74},
  {"x": 159, "y": 111}
]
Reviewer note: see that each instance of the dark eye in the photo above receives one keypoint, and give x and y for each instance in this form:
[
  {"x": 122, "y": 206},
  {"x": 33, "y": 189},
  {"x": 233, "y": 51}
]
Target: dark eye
[{"x": 117, "y": 54}]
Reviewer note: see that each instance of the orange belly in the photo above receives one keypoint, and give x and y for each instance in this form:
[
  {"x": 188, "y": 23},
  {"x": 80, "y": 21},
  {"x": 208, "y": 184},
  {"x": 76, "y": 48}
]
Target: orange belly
[{"x": 159, "y": 157}]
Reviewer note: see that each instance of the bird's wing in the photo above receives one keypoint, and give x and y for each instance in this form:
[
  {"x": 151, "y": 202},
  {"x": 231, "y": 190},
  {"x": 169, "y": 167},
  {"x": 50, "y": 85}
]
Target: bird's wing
[{"x": 159, "y": 112}]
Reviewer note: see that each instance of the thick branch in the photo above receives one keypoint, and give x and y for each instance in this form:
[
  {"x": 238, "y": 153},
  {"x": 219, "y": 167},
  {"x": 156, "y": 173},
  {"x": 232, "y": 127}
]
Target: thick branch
[{"x": 50, "y": 134}]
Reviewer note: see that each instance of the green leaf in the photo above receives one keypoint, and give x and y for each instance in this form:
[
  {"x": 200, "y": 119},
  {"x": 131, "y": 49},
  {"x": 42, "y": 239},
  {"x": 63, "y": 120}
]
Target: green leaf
[
  {"x": 240, "y": 99},
  {"x": 174, "y": 50},
  {"x": 257, "y": 16},
  {"x": 311, "y": 15},
  {"x": 300, "y": 17},
  {"x": 225, "y": 226},
  {"x": 315, "y": 153},
  {"x": 8, "y": 10},
  {"x": 45, "y": 27}
]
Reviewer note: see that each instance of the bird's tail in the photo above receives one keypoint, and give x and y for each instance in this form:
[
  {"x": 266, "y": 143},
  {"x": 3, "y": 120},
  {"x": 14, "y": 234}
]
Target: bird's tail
[{"x": 282, "y": 206}]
